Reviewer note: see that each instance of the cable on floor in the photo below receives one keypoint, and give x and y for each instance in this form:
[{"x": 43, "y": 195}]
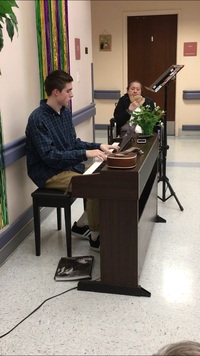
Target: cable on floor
[{"x": 57, "y": 295}]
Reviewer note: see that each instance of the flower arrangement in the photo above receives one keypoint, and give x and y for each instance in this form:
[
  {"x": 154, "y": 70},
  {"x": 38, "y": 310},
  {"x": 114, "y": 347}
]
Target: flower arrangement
[{"x": 146, "y": 118}]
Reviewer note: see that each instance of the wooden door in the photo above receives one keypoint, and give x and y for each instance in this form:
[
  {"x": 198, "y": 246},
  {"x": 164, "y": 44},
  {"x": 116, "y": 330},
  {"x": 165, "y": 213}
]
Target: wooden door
[{"x": 152, "y": 43}]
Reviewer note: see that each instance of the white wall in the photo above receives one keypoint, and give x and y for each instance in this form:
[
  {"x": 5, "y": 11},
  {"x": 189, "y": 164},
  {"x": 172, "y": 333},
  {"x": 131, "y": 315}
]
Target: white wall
[
  {"x": 20, "y": 94},
  {"x": 20, "y": 74},
  {"x": 80, "y": 27},
  {"x": 110, "y": 68}
]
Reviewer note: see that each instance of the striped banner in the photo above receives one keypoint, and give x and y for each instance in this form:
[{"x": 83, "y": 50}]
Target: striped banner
[{"x": 52, "y": 37}]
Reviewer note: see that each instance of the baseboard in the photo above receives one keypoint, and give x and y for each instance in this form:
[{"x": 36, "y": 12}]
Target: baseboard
[
  {"x": 15, "y": 234},
  {"x": 101, "y": 126}
]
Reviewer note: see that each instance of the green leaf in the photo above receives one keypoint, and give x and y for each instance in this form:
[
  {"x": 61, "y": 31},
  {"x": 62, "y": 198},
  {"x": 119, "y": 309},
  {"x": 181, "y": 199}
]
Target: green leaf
[
  {"x": 10, "y": 28},
  {"x": 6, "y": 6},
  {"x": 13, "y": 18},
  {"x": 14, "y": 21},
  {"x": 1, "y": 39},
  {"x": 13, "y": 3},
  {"x": 7, "y": 13}
]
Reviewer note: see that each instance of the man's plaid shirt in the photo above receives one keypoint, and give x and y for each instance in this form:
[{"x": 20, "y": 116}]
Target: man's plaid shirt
[{"x": 51, "y": 144}]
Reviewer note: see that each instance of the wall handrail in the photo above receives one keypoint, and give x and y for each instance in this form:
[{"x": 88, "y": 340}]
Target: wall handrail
[
  {"x": 107, "y": 94},
  {"x": 191, "y": 94}
]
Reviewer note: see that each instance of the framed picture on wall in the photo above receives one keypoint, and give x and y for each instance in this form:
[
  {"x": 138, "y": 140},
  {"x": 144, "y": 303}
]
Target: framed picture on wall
[{"x": 105, "y": 42}]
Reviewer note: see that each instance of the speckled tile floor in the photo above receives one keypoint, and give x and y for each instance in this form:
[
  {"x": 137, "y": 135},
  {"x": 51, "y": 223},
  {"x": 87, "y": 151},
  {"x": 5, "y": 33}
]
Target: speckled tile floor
[{"x": 85, "y": 323}]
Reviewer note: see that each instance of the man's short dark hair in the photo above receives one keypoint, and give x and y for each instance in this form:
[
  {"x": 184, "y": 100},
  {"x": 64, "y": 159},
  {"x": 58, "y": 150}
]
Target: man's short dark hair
[{"x": 56, "y": 79}]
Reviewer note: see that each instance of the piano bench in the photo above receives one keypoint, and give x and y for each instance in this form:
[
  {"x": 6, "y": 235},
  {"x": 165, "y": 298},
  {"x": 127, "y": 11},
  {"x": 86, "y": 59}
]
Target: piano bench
[{"x": 52, "y": 198}]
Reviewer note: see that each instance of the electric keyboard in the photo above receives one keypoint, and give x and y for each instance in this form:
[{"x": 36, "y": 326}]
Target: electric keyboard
[{"x": 98, "y": 164}]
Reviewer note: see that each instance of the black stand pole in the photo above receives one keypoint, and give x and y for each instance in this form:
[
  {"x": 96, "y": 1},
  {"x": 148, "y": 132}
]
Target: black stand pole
[{"x": 163, "y": 158}]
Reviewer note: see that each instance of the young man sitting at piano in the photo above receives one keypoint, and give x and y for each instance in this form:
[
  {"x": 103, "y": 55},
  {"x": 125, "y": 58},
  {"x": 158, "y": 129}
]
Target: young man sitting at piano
[{"x": 55, "y": 154}]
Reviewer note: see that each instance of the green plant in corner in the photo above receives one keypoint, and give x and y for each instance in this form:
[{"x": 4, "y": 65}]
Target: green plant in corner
[{"x": 8, "y": 19}]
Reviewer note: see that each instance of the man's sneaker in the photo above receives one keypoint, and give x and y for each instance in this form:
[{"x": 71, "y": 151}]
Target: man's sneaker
[
  {"x": 81, "y": 231},
  {"x": 95, "y": 245}
]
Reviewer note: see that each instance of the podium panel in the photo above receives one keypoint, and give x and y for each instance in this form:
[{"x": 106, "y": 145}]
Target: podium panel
[{"x": 128, "y": 211}]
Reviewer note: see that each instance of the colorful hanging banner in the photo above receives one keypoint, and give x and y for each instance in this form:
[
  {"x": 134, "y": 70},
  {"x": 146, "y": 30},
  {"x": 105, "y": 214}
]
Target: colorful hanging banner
[{"x": 52, "y": 37}]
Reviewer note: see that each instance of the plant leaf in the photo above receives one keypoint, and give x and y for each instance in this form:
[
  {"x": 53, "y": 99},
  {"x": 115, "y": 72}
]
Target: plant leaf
[
  {"x": 1, "y": 39},
  {"x": 10, "y": 28},
  {"x": 13, "y": 18},
  {"x": 13, "y": 3},
  {"x": 6, "y": 6},
  {"x": 7, "y": 15}
]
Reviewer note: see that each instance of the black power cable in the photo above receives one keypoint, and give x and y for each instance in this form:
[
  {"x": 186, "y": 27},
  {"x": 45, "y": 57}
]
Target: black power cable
[{"x": 57, "y": 295}]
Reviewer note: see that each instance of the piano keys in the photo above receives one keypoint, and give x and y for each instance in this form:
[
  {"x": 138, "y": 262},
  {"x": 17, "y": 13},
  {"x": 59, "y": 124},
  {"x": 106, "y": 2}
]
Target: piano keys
[{"x": 98, "y": 164}]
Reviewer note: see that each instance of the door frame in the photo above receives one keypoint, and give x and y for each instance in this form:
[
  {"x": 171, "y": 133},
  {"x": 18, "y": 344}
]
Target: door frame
[{"x": 178, "y": 52}]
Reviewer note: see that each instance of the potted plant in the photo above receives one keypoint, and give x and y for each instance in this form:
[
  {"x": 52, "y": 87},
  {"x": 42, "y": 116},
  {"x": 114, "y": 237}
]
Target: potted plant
[
  {"x": 146, "y": 118},
  {"x": 8, "y": 18}
]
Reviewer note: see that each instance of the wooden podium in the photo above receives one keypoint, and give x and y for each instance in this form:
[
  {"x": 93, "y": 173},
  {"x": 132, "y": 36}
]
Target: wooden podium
[{"x": 128, "y": 211}]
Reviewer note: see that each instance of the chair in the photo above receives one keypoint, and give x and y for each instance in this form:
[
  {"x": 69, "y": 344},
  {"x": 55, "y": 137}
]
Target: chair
[
  {"x": 112, "y": 131},
  {"x": 52, "y": 198}
]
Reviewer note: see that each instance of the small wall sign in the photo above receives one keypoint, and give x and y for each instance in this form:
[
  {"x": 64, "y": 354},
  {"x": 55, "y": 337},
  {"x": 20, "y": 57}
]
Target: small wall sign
[
  {"x": 190, "y": 49},
  {"x": 77, "y": 48},
  {"x": 105, "y": 42}
]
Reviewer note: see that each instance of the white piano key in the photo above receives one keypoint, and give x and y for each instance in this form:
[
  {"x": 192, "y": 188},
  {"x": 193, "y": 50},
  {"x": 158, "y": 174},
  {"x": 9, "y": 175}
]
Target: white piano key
[{"x": 97, "y": 162}]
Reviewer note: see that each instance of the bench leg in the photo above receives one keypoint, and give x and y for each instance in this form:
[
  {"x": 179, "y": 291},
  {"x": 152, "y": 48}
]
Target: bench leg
[
  {"x": 84, "y": 203},
  {"x": 59, "y": 221},
  {"x": 36, "y": 217},
  {"x": 67, "y": 212}
]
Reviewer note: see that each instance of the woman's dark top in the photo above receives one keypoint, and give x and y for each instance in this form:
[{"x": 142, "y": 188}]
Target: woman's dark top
[{"x": 121, "y": 115}]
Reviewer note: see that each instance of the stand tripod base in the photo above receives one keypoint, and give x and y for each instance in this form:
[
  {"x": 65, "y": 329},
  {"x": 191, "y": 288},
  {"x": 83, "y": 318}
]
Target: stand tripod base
[
  {"x": 165, "y": 181},
  {"x": 159, "y": 219}
]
